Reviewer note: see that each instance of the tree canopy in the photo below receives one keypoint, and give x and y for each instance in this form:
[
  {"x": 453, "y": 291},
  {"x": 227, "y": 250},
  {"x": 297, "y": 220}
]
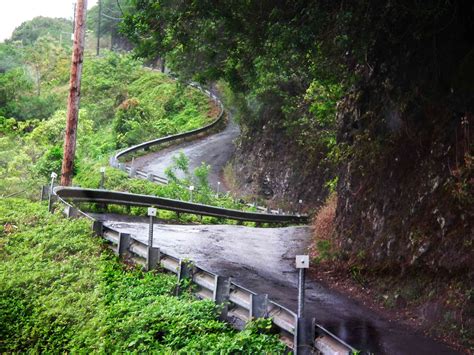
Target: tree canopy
[{"x": 29, "y": 31}]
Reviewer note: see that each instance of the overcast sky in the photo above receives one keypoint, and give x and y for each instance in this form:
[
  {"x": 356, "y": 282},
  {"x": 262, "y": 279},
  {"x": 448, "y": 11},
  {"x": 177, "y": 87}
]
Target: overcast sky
[{"x": 14, "y": 12}]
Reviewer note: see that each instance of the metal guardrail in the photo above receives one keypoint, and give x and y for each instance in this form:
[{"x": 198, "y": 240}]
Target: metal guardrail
[
  {"x": 239, "y": 305},
  {"x": 123, "y": 198},
  {"x": 114, "y": 161},
  {"x": 133, "y": 172}
]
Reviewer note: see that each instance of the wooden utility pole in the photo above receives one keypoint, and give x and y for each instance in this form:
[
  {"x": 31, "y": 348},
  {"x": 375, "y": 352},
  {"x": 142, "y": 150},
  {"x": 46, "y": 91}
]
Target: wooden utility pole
[{"x": 74, "y": 93}]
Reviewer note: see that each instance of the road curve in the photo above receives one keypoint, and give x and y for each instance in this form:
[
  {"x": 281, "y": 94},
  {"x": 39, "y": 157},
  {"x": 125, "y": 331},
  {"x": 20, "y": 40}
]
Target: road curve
[
  {"x": 214, "y": 150},
  {"x": 262, "y": 259}
]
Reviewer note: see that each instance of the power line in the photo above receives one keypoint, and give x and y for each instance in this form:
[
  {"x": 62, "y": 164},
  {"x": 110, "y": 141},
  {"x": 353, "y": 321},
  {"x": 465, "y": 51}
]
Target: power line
[{"x": 112, "y": 18}]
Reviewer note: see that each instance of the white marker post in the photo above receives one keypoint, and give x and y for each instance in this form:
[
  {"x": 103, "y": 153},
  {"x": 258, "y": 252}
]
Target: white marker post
[
  {"x": 151, "y": 214},
  {"x": 218, "y": 186},
  {"x": 300, "y": 207},
  {"x": 50, "y": 201},
  {"x": 102, "y": 177},
  {"x": 191, "y": 189},
  {"x": 302, "y": 263}
]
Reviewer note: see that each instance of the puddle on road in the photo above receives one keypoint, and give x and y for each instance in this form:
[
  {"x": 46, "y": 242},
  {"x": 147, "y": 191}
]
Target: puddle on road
[{"x": 359, "y": 333}]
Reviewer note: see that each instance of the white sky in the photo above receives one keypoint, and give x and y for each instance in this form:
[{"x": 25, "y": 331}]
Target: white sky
[{"x": 14, "y": 12}]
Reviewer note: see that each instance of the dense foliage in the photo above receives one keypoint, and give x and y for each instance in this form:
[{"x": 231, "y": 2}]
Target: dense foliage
[
  {"x": 112, "y": 12},
  {"x": 115, "y": 88},
  {"x": 28, "y": 32},
  {"x": 268, "y": 52},
  {"x": 61, "y": 291}
]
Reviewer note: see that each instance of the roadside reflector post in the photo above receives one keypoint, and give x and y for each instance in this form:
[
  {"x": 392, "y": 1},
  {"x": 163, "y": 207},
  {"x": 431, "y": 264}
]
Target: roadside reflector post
[
  {"x": 218, "y": 186},
  {"x": 133, "y": 170},
  {"x": 50, "y": 200},
  {"x": 191, "y": 189},
  {"x": 102, "y": 177},
  {"x": 153, "y": 254},
  {"x": 302, "y": 263},
  {"x": 304, "y": 332},
  {"x": 300, "y": 206},
  {"x": 152, "y": 215}
]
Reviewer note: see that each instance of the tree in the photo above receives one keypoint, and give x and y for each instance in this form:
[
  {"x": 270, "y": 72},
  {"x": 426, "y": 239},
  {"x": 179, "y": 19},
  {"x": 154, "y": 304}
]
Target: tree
[
  {"x": 113, "y": 12},
  {"x": 42, "y": 59},
  {"x": 11, "y": 55},
  {"x": 58, "y": 29},
  {"x": 14, "y": 84}
]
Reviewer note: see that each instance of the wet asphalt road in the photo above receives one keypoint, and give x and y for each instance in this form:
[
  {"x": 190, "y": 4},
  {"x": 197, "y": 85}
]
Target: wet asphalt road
[
  {"x": 262, "y": 259},
  {"x": 214, "y": 150}
]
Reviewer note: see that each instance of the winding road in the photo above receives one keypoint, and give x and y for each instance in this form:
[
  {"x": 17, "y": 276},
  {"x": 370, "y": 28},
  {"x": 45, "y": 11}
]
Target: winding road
[
  {"x": 262, "y": 259},
  {"x": 214, "y": 150}
]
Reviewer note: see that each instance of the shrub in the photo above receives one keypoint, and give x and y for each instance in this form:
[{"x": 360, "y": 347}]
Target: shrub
[
  {"x": 60, "y": 293},
  {"x": 324, "y": 234}
]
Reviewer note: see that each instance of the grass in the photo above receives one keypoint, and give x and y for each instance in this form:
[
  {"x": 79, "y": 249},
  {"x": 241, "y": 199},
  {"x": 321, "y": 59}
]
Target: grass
[{"x": 61, "y": 291}]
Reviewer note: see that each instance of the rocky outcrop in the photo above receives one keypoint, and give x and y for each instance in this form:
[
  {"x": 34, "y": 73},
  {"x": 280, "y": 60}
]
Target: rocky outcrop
[
  {"x": 403, "y": 202},
  {"x": 269, "y": 164}
]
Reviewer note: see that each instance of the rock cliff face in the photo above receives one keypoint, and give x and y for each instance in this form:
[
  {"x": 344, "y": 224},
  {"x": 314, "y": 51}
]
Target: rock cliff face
[
  {"x": 269, "y": 164},
  {"x": 405, "y": 194}
]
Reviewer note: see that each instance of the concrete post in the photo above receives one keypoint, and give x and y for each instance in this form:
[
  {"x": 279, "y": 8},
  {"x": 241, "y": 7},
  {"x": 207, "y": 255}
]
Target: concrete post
[
  {"x": 102, "y": 177},
  {"x": 98, "y": 228},
  {"x": 259, "y": 306},
  {"x": 124, "y": 244},
  {"x": 221, "y": 295}
]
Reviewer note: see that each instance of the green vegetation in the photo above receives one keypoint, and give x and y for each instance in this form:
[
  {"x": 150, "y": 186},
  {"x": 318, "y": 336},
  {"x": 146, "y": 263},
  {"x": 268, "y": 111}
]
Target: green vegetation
[
  {"x": 180, "y": 178},
  {"x": 112, "y": 12},
  {"x": 59, "y": 29},
  {"x": 60, "y": 290},
  {"x": 122, "y": 104},
  {"x": 270, "y": 55}
]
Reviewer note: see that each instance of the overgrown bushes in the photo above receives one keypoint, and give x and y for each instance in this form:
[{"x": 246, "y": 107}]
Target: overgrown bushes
[{"x": 61, "y": 292}]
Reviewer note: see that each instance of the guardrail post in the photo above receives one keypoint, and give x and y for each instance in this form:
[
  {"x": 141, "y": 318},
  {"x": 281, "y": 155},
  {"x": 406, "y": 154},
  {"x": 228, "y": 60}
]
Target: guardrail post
[
  {"x": 50, "y": 201},
  {"x": 153, "y": 258},
  {"x": 184, "y": 272},
  {"x": 305, "y": 334},
  {"x": 98, "y": 228},
  {"x": 221, "y": 295},
  {"x": 150, "y": 177},
  {"x": 102, "y": 177},
  {"x": 133, "y": 171},
  {"x": 123, "y": 244},
  {"x": 44, "y": 193},
  {"x": 259, "y": 306},
  {"x": 71, "y": 212}
]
